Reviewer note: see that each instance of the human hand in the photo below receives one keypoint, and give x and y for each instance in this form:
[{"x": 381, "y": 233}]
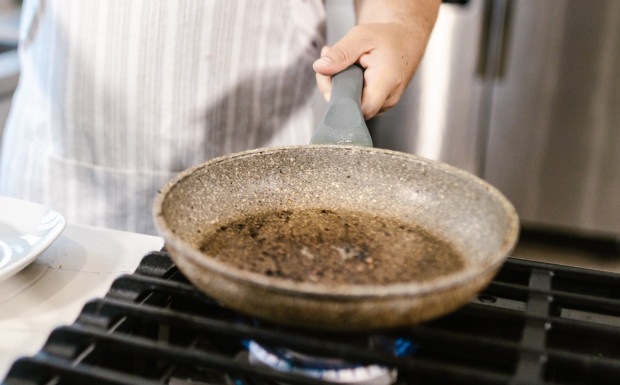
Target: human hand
[{"x": 390, "y": 53}]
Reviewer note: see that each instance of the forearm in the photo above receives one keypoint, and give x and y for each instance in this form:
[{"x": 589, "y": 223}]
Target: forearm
[{"x": 418, "y": 15}]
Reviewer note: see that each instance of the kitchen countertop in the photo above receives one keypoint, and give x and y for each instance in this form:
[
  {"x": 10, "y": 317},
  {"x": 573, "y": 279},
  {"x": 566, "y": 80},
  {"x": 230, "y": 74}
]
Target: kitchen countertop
[{"x": 79, "y": 266}]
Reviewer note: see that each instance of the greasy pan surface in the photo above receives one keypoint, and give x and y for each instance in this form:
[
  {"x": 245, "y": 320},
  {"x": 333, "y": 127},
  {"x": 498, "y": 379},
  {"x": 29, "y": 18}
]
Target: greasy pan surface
[{"x": 472, "y": 216}]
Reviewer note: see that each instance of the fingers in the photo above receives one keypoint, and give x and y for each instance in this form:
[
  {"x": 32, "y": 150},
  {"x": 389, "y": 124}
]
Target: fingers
[
  {"x": 323, "y": 82},
  {"x": 378, "y": 95},
  {"x": 335, "y": 59},
  {"x": 383, "y": 84},
  {"x": 377, "y": 98},
  {"x": 341, "y": 55},
  {"x": 380, "y": 92},
  {"x": 374, "y": 101},
  {"x": 386, "y": 54}
]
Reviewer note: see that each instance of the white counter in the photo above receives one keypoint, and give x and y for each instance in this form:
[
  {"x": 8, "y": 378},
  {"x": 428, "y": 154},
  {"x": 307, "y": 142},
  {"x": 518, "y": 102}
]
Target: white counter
[{"x": 50, "y": 292}]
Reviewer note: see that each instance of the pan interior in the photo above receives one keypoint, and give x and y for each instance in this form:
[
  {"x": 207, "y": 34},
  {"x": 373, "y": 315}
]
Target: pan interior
[
  {"x": 467, "y": 215},
  {"x": 331, "y": 247}
]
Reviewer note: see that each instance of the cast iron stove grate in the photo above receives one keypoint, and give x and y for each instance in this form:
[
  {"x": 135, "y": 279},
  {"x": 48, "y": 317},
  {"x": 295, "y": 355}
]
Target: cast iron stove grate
[{"x": 535, "y": 324}]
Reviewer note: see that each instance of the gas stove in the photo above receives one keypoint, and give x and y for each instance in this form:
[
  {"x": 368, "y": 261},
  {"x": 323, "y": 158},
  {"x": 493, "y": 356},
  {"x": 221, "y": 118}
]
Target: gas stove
[{"x": 536, "y": 323}]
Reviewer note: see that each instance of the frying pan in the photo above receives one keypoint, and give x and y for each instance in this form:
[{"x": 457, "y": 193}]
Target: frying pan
[{"x": 471, "y": 215}]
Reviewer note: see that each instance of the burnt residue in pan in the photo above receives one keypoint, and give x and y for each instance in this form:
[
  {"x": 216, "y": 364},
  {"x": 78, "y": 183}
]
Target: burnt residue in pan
[{"x": 332, "y": 247}]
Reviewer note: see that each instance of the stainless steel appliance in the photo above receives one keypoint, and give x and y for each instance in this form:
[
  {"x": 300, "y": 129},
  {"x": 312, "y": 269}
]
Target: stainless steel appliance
[
  {"x": 526, "y": 94},
  {"x": 536, "y": 324}
]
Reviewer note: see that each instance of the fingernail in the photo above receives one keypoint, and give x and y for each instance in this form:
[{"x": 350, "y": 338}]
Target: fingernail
[{"x": 323, "y": 61}]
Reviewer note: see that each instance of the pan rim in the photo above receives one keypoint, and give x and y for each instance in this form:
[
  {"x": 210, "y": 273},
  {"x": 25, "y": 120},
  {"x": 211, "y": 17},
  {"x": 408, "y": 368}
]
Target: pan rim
[{"x": 341, "y": 291}]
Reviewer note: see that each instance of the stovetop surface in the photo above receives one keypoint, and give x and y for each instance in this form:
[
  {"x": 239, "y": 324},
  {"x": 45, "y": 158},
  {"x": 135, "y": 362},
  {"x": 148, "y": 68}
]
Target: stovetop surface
[{"x": 536, "y": 323}]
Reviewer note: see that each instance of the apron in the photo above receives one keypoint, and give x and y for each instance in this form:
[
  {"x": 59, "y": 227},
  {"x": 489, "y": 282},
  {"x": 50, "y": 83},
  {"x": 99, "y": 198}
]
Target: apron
[{"x": 116, "y": 97}]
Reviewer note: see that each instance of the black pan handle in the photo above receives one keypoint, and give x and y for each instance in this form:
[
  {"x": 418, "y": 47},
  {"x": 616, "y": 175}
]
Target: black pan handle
[{"x": 343, "y": 122}]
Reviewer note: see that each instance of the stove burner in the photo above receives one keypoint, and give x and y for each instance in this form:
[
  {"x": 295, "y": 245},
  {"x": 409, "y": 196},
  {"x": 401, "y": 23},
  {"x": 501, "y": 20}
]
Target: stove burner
[
  {"x": 332, "y": 370},
  {"x": 536, "y": 324}
]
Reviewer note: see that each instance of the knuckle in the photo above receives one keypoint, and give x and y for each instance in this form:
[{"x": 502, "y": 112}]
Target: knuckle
[
  {"x": 391, "y": 102},
  {"x": 340, "y": 53}
]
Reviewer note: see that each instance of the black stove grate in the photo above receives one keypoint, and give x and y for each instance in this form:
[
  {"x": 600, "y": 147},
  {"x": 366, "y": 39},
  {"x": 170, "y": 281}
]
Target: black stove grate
[{"x": 535, "y": 324}]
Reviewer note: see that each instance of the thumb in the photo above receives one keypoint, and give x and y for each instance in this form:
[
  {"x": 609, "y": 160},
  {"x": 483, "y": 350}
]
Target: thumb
[{"x": 338, "y": 57}]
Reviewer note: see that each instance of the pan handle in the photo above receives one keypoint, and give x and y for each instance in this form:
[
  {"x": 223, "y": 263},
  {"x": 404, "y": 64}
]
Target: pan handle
[{"x": 343, "y": 122}]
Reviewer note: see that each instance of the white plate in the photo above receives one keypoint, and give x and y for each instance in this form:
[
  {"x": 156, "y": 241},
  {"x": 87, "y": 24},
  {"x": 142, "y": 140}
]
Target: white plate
[{"x": 26, "y": 230}]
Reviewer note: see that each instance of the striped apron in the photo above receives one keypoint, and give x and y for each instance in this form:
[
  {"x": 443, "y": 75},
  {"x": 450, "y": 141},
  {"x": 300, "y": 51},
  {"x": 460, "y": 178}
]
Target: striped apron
[{"x": 116, "y": 97}]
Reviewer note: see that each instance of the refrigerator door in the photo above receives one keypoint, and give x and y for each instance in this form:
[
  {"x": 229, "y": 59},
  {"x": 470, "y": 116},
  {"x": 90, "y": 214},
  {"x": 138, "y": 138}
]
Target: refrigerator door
[{"x": 554, "y": 139}]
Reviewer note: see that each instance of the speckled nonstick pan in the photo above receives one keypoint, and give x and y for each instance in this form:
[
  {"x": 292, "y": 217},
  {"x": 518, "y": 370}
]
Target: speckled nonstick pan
[{"x": 469, "y": 213}]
